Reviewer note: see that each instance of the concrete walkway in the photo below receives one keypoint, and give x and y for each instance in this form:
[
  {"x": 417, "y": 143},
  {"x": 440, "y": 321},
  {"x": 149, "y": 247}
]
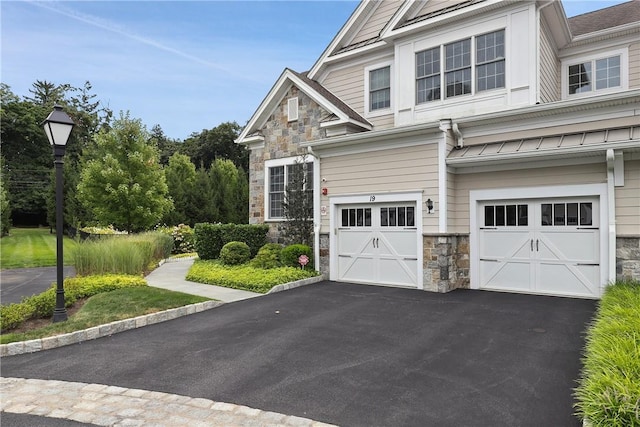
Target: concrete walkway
[{"x": 171, "y": 275}]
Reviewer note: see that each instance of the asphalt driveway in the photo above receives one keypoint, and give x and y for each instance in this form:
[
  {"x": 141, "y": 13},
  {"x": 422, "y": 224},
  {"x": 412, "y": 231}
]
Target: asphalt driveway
[
  {"x": 353, "y": 355},
  {"x": 17, "y": 283}
]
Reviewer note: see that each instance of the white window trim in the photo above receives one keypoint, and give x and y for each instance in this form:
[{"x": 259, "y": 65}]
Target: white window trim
[
  {"x": 367, "y": 101},
  {"x": 624, "y": 72},
  {"x": 286, "y": 161}
]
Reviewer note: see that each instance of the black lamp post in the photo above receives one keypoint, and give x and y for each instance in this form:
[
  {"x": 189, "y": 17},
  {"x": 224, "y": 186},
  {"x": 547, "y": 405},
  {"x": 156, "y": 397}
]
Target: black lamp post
[{"x": 58, "y": 126}]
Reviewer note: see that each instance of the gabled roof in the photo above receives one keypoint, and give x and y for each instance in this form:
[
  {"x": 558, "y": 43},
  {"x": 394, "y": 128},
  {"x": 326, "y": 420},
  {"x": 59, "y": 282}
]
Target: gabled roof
[
  {"x": 340, "y": 112},
  {"x": 610, "y": 17}
]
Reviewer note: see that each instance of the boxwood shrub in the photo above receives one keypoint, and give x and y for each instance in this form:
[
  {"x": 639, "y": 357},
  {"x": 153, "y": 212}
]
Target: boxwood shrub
[
  {"x": 235, "y": 253},
  {"x": 608, "y": 393},
  {"x": 42, "y": 305},
  {"x": 290, "y": 255},
  {"x": 210, "y": 238},
  {"x": 268, "y": 257}
]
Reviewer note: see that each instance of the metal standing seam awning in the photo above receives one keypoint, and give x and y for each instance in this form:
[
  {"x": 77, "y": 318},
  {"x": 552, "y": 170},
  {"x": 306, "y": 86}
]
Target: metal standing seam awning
[{"x": 582, "y": 144}]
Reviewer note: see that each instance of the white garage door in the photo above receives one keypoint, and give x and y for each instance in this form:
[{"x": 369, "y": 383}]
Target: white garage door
[
  {"x": 378, "y": 244},
  {"x": 540, "y": 246}
]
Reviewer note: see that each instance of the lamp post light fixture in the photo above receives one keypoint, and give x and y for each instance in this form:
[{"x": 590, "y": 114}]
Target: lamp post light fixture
[{"x": 58, "y": 126}]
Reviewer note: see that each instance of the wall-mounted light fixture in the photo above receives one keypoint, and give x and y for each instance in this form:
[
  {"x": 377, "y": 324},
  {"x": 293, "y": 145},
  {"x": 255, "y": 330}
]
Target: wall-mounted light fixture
[{"x": 429, "y": 206}]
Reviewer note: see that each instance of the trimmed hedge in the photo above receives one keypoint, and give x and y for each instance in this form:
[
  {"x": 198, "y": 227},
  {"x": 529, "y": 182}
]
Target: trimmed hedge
[
  {"x": 609, "y": 389},
  {"x": 290, "y": 254},
  {"x": 235, "y": 253},
  {"x": 210, "y": 238},
  {"x": 43, "y": 305},
  {"x": 244, "y": 276}
]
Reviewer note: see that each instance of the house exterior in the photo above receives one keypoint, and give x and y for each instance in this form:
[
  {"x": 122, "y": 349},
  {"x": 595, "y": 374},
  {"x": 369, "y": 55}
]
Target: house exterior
[{"x": 484, "y": 144}]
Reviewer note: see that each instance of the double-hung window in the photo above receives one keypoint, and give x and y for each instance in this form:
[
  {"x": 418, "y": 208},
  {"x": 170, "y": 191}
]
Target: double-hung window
[
  {"x": 280, "y": 175},
  {"x": 463, "y": 67},
  {"x": 582, "y": 78},
  {"x": 380, "y": 88}
]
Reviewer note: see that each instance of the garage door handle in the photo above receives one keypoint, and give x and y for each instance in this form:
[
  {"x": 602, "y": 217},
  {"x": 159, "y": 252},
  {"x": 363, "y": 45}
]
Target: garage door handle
[{"x": 531, "y": 245}]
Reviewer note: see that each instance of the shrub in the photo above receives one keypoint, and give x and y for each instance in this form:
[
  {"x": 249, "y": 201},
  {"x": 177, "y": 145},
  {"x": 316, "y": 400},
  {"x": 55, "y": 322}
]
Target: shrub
[
  {"x": 235, "y": 253},
  {"x": 268, "y": 256},
  {"x": 290, "y": 254},
  {"x": 609, "y": 390},
  {"x": 210, "y": 238},
  {"x": 42, "y": 305},
  {"x": 183, "y": 238},
  {"x": 244, "y": 276}
]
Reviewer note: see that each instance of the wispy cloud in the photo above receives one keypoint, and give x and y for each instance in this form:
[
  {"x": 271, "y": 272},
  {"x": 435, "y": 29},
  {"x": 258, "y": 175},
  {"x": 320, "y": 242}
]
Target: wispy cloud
[{"x": 61, "y": 9}]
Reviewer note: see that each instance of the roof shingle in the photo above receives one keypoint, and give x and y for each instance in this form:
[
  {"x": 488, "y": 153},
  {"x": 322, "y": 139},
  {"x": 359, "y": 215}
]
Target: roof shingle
[{"x": 614, "y": 16}]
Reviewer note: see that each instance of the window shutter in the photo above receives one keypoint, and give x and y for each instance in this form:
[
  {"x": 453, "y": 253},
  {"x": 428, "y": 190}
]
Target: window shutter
[{"x": 292, "y": 109}]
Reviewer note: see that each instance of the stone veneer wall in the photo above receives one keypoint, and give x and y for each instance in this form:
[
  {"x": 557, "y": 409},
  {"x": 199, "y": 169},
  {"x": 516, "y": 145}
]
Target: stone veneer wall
[
  {"x": 324, "y": 255},
  {"x": 281, "y": 138},
  {"x": 446, "y": 262},
  {"x": 628, "y": 258}
]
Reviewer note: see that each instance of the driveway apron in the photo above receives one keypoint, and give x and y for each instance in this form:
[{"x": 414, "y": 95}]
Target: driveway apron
[{"x": 353, "y": 355}]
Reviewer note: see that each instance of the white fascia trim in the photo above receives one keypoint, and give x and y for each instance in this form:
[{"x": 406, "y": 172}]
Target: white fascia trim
[
  {"x": 586, "y": 190},
  {"x": 555, "y": 108},
  {"x": 362, "y": 7},
  {"x": 374, "y": 136},
  {"x": 344, "y": 122},
  {"x": 382, "y": 197},
  {"x": 455, "y": 15},
  {"x": 286, "y": 79}
]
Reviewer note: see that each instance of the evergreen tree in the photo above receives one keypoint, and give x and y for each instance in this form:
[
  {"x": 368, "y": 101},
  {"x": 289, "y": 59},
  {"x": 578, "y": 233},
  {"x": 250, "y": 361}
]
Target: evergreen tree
[
  {"x": 298, "y": 204},
  {"x": 181, "y": 182}
]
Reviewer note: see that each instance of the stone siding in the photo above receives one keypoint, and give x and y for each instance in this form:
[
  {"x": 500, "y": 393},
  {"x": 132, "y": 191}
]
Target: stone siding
[
  {"x": 628, "y": 258},
  {"x": 325, "y": 253},
  {"x": 446, "y": 262},
  {"x": 281, "y": 139}
]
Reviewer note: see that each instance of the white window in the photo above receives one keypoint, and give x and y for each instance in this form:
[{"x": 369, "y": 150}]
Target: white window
[
  {"x": 279, "y": 174},
  {"x": 378, "y": 92},
  {"x": 593, "y": 75},
  {"x": 471, "y": 65}
]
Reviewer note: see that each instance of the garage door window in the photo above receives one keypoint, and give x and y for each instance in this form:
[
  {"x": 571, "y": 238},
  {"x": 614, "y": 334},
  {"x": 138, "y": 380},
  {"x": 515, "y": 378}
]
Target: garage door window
[
  {"x": 356, "y": 217},
  {"x": 506, "y": 215},
  {"x": 566, "y": 214},
  {"x": 397, "y": 216}
]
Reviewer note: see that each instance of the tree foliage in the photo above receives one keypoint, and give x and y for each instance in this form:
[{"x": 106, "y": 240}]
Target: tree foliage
[
  {"x": 217, "y": 143},
  {"x": 5, "y": 208},
  {"x": 122, "y": 183},
  {"x": 298, "y": 204},
  {"x": 181, "y": 182}
]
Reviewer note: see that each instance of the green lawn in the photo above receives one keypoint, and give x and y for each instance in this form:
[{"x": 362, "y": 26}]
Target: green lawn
[
  {"x": 108, "y": 307},
  {"x": 32, "y": 247}
]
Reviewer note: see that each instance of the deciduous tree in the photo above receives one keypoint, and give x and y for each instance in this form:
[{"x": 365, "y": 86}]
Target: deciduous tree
[{"x": 122, "y": 183}]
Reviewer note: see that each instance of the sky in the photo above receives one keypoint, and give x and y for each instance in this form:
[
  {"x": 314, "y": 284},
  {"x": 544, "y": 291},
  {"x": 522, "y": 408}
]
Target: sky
[{"x": 185, "y": 65}]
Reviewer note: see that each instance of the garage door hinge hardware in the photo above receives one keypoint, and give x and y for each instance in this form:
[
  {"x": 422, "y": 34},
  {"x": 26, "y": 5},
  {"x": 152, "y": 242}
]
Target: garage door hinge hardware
[
  {"x": 488, "y": 228},
  {"x": 410, "y": 259},
  {"x": 588, "y": 264},
  {"x": 411, "y": 228},
  {"x": 491, "y": 260},
  {"x": 344, "y": 256},
  {"x": 588, "y": 228}
]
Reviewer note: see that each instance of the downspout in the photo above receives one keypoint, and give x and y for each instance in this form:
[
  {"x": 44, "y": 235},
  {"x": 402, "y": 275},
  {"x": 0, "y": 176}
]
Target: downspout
[
  {"x": 316, "y": 208},
  {"x": 611, "y": 206}
]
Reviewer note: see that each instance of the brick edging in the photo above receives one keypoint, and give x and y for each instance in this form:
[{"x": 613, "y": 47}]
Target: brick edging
[{"x": 100, "y": 331}]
